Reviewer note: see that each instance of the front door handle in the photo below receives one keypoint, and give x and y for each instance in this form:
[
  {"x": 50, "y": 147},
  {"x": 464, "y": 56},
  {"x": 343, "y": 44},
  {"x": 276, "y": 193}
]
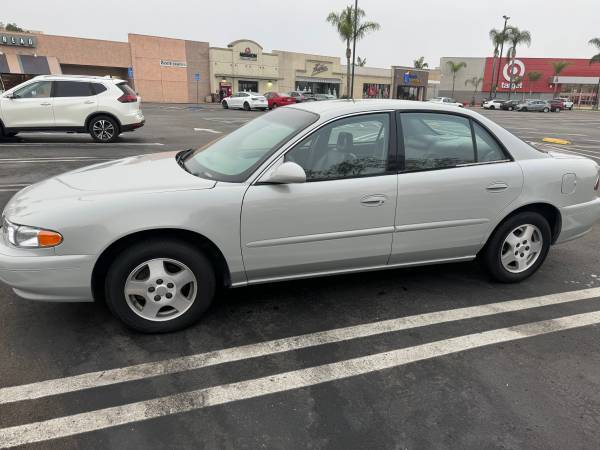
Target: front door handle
[
  {"x": 45, "y": 104},
  {"x": 497, "y": 187},
  {"x": 373, "y": 200},
  {"x": 89, "y": 102}
]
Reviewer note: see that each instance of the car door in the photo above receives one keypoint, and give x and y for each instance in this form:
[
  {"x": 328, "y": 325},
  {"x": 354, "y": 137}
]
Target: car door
[
  {"x": 455, "y": 180},
  {"x": 74, "y": 102},
  {"x": 30, "y": 107},
  {"x": 340, "y": 219}
]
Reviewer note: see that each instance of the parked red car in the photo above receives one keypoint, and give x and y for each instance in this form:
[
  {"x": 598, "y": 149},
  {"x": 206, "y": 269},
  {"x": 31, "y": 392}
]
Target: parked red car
[
  {"x": 276, "y": 99},
  {"x": 557, "y": 105}
]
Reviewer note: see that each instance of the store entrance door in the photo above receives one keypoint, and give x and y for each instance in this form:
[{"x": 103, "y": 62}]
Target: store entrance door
[
  {"x": 247, "y": 86},
  {"x": 410, "y": 93}
]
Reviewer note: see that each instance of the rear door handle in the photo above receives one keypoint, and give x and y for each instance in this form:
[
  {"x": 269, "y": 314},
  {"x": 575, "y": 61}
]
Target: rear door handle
[
  {"x": 497, "y": 187},
  {"x": 45, "y": 104},
  {"x": 373, "y": 200},
  {"x": 89, "y": 102}
]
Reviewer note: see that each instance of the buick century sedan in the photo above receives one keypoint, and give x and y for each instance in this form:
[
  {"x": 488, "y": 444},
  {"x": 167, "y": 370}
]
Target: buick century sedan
[{"x": 306, "y": 190}]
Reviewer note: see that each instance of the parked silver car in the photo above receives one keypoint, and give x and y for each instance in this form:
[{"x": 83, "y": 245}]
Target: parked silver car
[
  {"x": 311, "y": 189},
  {"x": 534, "y": 105}
]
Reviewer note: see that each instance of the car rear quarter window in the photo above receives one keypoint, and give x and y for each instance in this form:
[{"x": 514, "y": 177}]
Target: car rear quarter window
[
  {"x": 98, "y": 88},
  {"x": 488, "y": 149},
  {"x": 126, "y": 89},
  {"x": 436, "y": 141},
  {"x": 72, "y": 89}
]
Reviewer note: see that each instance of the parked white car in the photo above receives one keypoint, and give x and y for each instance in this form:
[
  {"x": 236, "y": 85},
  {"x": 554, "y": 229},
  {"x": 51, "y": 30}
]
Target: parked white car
[
  {"x": 446, "y": 101},
  {"x": 101, "y": 106},
  {"x": 568, "y": 103},
  {"x": 246, "y": 100},
  {"x": 493, "y": 104},
  {"x": 308, "y": 190}
]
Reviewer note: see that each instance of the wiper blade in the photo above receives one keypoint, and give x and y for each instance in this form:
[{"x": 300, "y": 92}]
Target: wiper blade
[{"x": 181, "y": 156}]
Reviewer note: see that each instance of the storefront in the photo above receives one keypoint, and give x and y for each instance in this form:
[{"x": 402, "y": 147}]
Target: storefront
[
  {"x": 242, "y": 67},
  {"x": 307, "y": 72},
  {"x": 410, "y": 83}
]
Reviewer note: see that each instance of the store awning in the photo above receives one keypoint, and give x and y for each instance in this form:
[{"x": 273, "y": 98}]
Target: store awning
[
  {"x": 319, "y": 80},
  {"x": 34, "y": 65},
  {"x": 4, "y": 64},
  {"x": 575, "y": 80}
]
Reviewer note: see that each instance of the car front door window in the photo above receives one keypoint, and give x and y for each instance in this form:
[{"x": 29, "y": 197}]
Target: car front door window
[
  {"x": 41, "y": 89},
  {"x": 348, "y": 148}
]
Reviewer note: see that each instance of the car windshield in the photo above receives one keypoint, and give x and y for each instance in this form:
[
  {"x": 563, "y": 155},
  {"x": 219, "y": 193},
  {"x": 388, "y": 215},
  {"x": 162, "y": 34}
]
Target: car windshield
[{"x": 234, "y": 157}]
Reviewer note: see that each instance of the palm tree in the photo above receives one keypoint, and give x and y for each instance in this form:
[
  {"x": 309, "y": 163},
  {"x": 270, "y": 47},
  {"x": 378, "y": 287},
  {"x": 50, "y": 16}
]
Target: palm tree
[
  {"x": 475, "y": 82},
  {"x": 498, "y": 38},
  {"x": 343, "y": 22},
  {"x": 361, "y": 62},
  {"x": 420, "y": 63},
  {"x": 454, "y": 69},
  {"x": 516, "y": 37},
  {"x": 558, "y": 67},
  {"x": 532, "y": 77},
  {"x": 596, "y": 59}
]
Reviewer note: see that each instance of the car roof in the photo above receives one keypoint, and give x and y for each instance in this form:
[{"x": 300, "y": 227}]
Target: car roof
[{"x": 78, "y": 78}]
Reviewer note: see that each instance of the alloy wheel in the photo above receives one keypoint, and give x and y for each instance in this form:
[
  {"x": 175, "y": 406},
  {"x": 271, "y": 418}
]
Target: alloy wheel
[
  {"x": 521, "y": 248},
  {"x": 160, "y": 289},
  {"x": 103, "y": 130}
]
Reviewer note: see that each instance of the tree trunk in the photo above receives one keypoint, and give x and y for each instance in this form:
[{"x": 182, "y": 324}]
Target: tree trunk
[
  {"x": 512, "y": 71},
  {"x": 453, "y": 81},
  {"x": 493, "y": 71},
  {"x": 348, "y": 56},
  {"x": 597, "y": 96}
]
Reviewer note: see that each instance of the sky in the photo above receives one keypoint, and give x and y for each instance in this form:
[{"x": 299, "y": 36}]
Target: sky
[{"x": 430, "y": 28}]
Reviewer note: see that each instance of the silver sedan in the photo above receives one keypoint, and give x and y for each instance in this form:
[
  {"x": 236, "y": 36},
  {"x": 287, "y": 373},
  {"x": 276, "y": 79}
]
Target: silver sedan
[{"x": 307, "y": 190}]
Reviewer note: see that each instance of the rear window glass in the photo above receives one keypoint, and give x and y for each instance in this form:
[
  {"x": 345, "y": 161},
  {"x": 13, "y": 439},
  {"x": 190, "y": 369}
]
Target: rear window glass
[{"x": 126, "y": 89}]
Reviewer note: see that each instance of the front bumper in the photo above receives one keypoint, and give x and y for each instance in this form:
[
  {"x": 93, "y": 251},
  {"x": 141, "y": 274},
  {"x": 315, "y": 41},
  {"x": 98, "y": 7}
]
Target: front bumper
[
  {"x": 578, "y": 220},
  {"x": 46, "y": 276}
]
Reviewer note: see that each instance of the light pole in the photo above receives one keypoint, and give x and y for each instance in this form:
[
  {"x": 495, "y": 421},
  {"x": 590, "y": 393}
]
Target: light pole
[
  {"x": 505, "y": 17},
  {"x": 351, "y": 93}
]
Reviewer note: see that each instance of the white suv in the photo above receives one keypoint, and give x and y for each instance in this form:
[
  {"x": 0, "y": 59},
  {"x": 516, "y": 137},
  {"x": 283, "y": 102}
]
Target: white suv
[{"x": 102, "y": 106}]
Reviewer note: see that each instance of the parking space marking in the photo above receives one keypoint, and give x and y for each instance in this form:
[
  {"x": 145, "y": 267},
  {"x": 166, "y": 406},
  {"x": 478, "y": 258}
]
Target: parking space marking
[
  {"x": 154, "y": 369},
  {"x": 78, "y": 144},
  {"x": 53, "y": 159},
  {"x": 208, "y": 130},
  {"x": 282, "y": 382}
]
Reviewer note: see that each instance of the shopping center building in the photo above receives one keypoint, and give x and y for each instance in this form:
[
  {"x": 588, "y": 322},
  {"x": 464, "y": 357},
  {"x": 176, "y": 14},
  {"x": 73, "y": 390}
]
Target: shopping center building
[
  {"x": 577, "y": 81},
  {"x": 168, "y": 70}
]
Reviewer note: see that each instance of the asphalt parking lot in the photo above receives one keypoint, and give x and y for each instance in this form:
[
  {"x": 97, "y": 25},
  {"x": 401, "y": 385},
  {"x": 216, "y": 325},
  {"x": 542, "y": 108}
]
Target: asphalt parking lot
[{"x": 432, "y": 357}]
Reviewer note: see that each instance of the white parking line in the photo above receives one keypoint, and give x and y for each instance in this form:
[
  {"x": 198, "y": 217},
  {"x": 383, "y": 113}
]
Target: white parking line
[
  {"x": 192, "y": 362},
  {"x": 79, "y": 144},
  {"x": 208, "y": 130},
  {"x": 282, "y": 382}
]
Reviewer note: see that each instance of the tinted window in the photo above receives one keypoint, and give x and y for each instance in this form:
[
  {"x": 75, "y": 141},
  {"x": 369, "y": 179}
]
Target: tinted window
[
  {"x": 436, "y": 141},
  {"x": 347, "y": 148},
  {"x": 488, "y": 148},
  {"x": 235, "y": 156},
  {"x": 98, "y": 88},
  {"x": 72, "y": 89},
  {"x": 41, "y": 89},
  {"x": 126, "y": 89}
]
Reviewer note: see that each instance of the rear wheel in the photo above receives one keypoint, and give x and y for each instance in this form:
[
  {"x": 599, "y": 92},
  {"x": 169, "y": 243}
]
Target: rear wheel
[
  {"x": 104, "y": 129},
  {"x": 557, "y": 110},
  {"x": 492, "y": 107},
  {"x": 517, "y": 248},
  {"x": 160, "y": 286},
  {"x": 225, "y": 105},
  {"x": 247, "y": 106},
  {"x": 546, "y": 109},
  {"x": 510, "y": 108}
]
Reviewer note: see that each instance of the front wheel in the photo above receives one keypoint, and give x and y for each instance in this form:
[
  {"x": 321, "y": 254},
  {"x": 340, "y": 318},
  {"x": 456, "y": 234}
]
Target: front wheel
[
  {"x": 557, "y": 110},
  {"x": 104, "y": 129},
  {"x": 492, "y": 107},
  {"x": 510, "y": 108},
  {"x": 247, "y": 106},
  {"x": 158, "y": 286},
  {"x": 546, "y": 110},
  {"x": 518, "y": 247},
  {"x": 225, "y": 105}
]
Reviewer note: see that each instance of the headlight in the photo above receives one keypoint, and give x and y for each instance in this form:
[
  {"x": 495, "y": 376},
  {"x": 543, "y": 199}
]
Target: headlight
[{"x": 29, "y": 237}]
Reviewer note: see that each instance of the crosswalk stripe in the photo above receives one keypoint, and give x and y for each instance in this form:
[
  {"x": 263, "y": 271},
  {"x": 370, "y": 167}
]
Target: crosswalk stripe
[
  {"x": 192, "y": 362},
  {"x": 223, "y": 394}
]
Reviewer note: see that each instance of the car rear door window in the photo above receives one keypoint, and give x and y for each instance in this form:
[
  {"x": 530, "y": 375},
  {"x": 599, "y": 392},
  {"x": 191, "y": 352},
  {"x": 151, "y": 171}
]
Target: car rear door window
[
  {"x": 98, "y": 88},
  {"x": 488, "y": 149},
  {"x": 436, "y": 141},
  {"x": 347, "y": 148},
  {"x": 72, "y": 89}
]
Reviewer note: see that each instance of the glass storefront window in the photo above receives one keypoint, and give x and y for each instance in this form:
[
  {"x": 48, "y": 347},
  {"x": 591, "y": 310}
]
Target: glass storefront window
[
  {"x": 318, "y": 88},
  {"x": 247, "y": 86},
  {"x": 371, "y": 90}
]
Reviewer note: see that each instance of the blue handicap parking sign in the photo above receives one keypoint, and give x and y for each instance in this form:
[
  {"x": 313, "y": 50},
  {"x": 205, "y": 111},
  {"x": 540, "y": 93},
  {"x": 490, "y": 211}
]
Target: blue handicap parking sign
[
  {"x": 197, "y": 76},
  {"x": 407, "y": 78},
  {"x": 130, "y": 72}
]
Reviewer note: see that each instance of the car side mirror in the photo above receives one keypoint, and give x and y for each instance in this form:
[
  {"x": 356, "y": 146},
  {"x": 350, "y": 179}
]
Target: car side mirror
[
  {"x": 286, "y": 173},
  {"x": 11, "y": 96}
]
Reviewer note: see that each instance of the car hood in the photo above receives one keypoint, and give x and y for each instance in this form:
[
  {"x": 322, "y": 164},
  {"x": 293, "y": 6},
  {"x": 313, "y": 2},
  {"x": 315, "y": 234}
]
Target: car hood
[{"x": 157, "y": 172}]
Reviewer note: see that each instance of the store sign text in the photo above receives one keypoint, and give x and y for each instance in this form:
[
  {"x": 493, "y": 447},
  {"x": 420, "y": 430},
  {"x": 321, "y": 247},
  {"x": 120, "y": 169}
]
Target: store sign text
[
  {"x": 247, "y": 54},
  {"x": 319, "y": 68},
  {"x": 20, "y": 41},
  {"x": 169, "y": 63}
]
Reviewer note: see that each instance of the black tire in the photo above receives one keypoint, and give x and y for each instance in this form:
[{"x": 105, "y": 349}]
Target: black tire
[
  {"x": 104, "y": 129},
  {"x": 546, "y": 110},
  {"x": 492, "y": 107},
  {"x": 510, "y": 108},
  {"x": 524, "y": 109},
  {"x": 225, "y": 105},
  {"x": 247, "y": 106},
  {"x": 490, "y": 256},
  {"x": 176, "y": 250},
  {"x": 557, "y": 110}
]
